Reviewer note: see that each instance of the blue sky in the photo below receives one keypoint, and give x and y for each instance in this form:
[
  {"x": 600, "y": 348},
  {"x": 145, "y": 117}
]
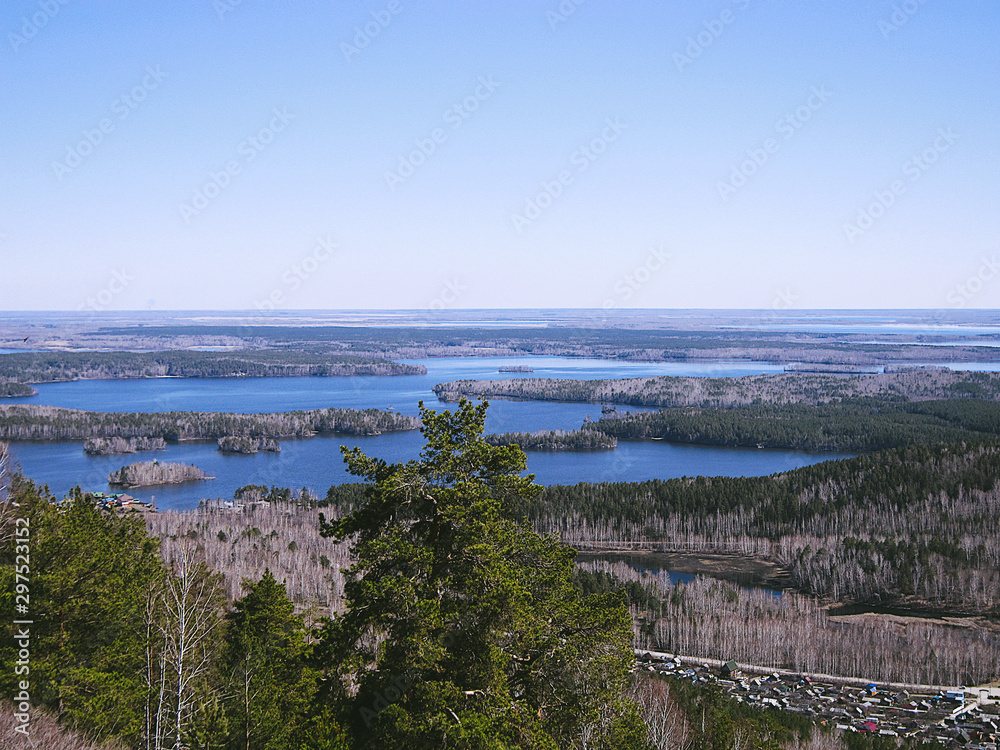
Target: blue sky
[{"x": 313, "y": 154}]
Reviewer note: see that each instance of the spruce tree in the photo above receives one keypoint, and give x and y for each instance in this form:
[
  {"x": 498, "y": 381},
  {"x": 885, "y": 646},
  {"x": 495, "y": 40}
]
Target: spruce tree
[{"x": 463, "y": 628}]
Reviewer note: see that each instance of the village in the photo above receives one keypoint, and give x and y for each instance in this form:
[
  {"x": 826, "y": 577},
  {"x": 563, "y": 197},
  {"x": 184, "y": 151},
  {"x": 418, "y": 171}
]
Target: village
[
  {"x": 956, "y": 717},
  {"x": 121, "y": 502}
]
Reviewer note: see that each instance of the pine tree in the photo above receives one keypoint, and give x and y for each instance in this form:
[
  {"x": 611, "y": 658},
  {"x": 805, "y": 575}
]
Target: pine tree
[
  {"x": 263, "y": 663},
  {"x": 463, "y": 628},
  {"x": 90, "y": 573}
]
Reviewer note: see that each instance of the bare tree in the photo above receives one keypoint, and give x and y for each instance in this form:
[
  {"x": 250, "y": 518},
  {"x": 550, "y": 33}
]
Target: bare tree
[
  {"x": 192, "y": 602},
  {"x": 666, "y": 724},
  {"x": 46, "y": 733},
  {"x": 7, "y": 507}
]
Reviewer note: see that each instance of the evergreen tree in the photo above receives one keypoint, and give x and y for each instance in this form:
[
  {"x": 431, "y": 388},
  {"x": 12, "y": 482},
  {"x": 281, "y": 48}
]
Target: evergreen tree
[
  {"x": 90, "y": 574},
  {"x": 263, "y": 663},
  {"x": 463, "y": 627}
]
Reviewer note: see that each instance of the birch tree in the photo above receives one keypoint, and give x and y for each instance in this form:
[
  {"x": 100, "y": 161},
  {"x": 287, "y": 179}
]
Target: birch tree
[{"x": 192, "y": 603}]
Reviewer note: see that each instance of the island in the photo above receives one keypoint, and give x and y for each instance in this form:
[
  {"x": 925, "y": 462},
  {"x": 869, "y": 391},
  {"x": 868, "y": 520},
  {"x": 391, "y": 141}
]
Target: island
[
  {"x": 516, "y": 368},
  {"x": 99, "y": 446},
  {"x": 248, "y": 445},
  {"x": 149, "y": 473},
  {"x": 22, "y": 422},
  {"x": 50, "y": 367},
  {"x": 14, "y": 389},
  {"x": 902, "y": 384},
  {"x": 556, "y": 440}
]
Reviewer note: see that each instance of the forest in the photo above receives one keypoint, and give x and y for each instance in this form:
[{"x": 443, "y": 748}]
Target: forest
[
  {"x": 247, "y": 445},
  {"x": 854, "y": 426},
  {"x": 48, "y": 367},
  {"x": 150, "y": 473},
  {"x": 901, "y": 384},
  {"x": 914, "y": 525},
  {"x": 116, "y": 445},
  {"x": 556, "y": 440},
  {"x": 20, "y": 422},
  {"x": 721, "y": 620}
]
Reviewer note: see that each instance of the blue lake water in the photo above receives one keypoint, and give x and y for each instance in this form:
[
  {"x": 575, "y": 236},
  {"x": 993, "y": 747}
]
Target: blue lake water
[{"x": 317, "y": 463}]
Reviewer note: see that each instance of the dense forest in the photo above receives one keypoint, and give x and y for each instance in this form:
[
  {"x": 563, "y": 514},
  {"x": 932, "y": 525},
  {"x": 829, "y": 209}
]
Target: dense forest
[
  {"x": 903, "y": 384},
  {"x": 861, "y": 425},
  {"x": 248, "y": 445},
  {"x": 30, "y": 422},
  {"x": 915, "y": 524},
  {"x": 556, "y": 440},
  {"x": 47, "y": 367},
  {"x": 149, "y": 473},
  {"x": 116, "y": 445}
]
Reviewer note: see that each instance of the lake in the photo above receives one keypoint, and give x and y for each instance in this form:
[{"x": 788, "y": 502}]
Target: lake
[{"x": 317, "y": 463}]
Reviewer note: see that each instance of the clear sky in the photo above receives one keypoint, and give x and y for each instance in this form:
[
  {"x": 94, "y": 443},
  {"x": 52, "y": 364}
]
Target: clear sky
[{"x": 395, "y": 154}]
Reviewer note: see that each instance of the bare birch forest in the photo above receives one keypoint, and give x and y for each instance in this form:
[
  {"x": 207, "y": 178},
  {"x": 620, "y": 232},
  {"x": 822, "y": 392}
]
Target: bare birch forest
[
  {"x": 720, "y": 620},
  {"x": 243, "y": 543}
]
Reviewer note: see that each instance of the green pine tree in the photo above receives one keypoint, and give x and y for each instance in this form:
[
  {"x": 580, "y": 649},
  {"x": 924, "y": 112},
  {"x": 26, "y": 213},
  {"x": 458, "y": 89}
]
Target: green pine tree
[
  {"x": 268, "y": 685},
  {"x": 463, "y": 627},
  {"x": 90, "y": 574}
]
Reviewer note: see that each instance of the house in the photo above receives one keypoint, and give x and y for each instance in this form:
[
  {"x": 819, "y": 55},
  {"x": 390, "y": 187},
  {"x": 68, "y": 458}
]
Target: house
[{"x": 730, "y": 668}]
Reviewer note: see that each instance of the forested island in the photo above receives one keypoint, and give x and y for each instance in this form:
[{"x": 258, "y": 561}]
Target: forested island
[
  {"x": 556, "y": 440},
  {"x": 787, "y": 388},
  {"x": 14, "y": 389},
  {"x": 248, "y": 445},
  {"x": 151, "y": 473},
  {"x": 20, "y": 422},
  {"x": 48, "y": 367},
  {"x": 845, "y": 426},
  {"x": 111, "y": 446}
]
